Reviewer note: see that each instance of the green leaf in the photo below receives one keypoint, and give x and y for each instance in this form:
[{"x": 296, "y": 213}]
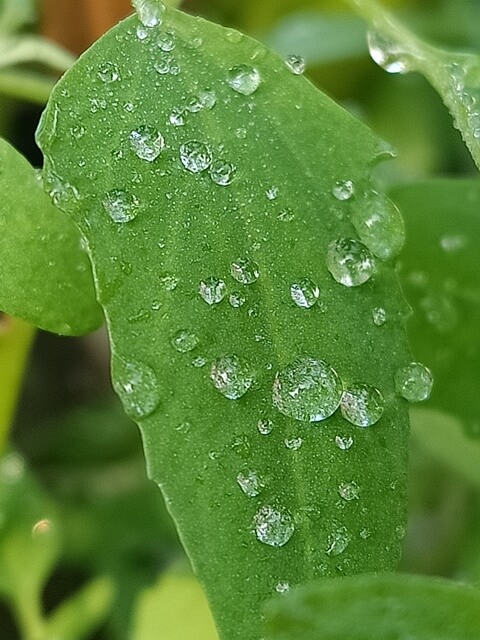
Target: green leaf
[
  {"x": 187, "y": 228},
  {"x": 454, "y": 75},
  {"x": 45, "y": 275},
  {"x": 387, "y": 607},
  {"x": 440, "y": 276}
]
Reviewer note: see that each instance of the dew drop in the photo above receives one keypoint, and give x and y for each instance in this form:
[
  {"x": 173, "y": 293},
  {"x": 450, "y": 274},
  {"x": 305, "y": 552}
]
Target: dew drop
[
  {"x": 272, "y": 193},
  {"x": 293, "y": 444},
  {"x": 337, "y": 542},
  {"x": 380, "y": 226},
  {"x": 295, "y": 64},
  {"x": 199, "y": 362},
  {"x": 379, "y": 316},
  {"x": 414, "y": 382},
  {"x": 166, "y": 41},
  {"x": 309, "y": 390},
  {"x": 273, "y": 527},
  {"x": 387, "y": 54},
  {"x": 250, "y": 483},
  {"x": 349, "y": 491},
  {"x": 184, "y": 341},
  {"x": 222, "y": 173},
  {"x": 244, "y": 79},
  {"x": 241, "y": 133},
  {"x": 208, "y": 98},
  {"x": 195, "y": 156},
  {"x": 231, "y": 376},
  {"x": 282, "y": 587},
  {"x": 146, "y": 142},
  {"x": 237, "y": 300},
  {"x": 305, "y": 293},
  {"x": 177, "y": 117},
  {"x": 349, "y": 262},
  {"x": 265, "y": 426},
  {"x": 362, "y": 405},
  {"x": 121, "y": 206},
  {"x": 344, "y": 442},
  {"x": 169, "y": 282},
  {"x": 343, "y": 190},
  {"x": 245, "y": 271},
  {"x": 163, "y": 64},
  {"x": 212, "y": 290},
  {"x": 150, "y": 12},
  {"x": 108, "y": 72},
  {"x": 137, "y": 386}
]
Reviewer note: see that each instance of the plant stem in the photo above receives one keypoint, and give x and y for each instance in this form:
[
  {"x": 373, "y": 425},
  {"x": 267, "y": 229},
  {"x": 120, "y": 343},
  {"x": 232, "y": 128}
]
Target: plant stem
[
  {"x": 29, "y": 617},
  {"x": 28, "y": 86}
]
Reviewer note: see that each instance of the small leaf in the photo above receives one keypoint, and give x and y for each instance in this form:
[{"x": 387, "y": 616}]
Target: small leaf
[
  {"x": 45, "y": 275},
  {"x": 221, "y": 193},
  {"x": 366, "y": 607}
]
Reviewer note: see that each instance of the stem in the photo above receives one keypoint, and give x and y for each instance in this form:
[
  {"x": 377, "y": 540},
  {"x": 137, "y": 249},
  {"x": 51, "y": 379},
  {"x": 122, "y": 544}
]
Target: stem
[
  {"x": 31, "y": 87},
  {"x": 29, "y": 616},
  {"x": 16, "y": 337}
]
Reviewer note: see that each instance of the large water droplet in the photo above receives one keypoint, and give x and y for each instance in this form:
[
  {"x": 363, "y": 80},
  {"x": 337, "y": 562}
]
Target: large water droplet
[
  {"x": 245, "y": 271},
  {"x": 362, "y": 405},
  {"x": 309, "y": 390},
  {"x": 244, "y": 79},
  {"x": 387, "y": 53},
  {"x": 137, "y": 386},
  {"x": 231, "y": 376},
  {"x": 305, "y": 293},
  {"x": 195, "y": 156},
  {"x": 250, "y": 483},
  {"x": 380, "y": 226},
  {"x": 108, "y": 72},
  {"x": 184, "y": 341},
  {"x": 222, "y": 173},
  {"x": 121, "y": 206},
  {"x": 212, "y": 290},
  {"x": 295, "y": 64},
  {"x": 349, "y": 262},
  {"x": 414, "y": 382},
  {"x": 150, "y": 12},
  {"x": 146, "y": 142},
  {"x": 273, "y": 527}
]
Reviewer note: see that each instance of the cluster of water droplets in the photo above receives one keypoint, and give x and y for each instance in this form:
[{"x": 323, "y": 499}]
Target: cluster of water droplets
[{"x": 465, "y": 86}]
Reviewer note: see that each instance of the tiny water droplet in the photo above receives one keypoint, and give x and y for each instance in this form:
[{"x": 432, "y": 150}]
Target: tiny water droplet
[
  {"x": 176, "y": 118},
  {"x": 195, "y": 156},
  {"x": 208, "y": 98},
  {"x": 282, "y": 587},
  {"x": 293, "y": 444},
  {"x": 137, "y": 386},
  {"x": 222, "y": 173},
  {"x": 199, "y": 362},
  {"x": 273, "y": 527},
  {"x": 387, "y": 54},
  {"x": 250, "y": 483},
  {"x": 121, "y": 206},
  {"x": 169, "y": 282},
  {"x": 343, "y": 190},
  {"x": 146, "y": 142},
  {"x": 309, "y": 390},
  {"x": 245, "y": 271},
  {"x": 150, "y": 12},
  {"x": 241, "y": 133},
  {"x": 379, "y": 316},
  {"x": 233, "y": 36},
  {"x": 272, "y": 193},
  {"x": 452, "y": 243},
  {"x": 414, "y": 382},
  {"x": 244, "y": 79},
  {"x": 212, "y": 290},
  {"x": 163, "y": 64},
  {"x": 265, "y": 426},
  {"x": 362, "y": 405},
  {"x": 183, "y": 427},
  {"x": 231, "y": 376},
  {"x": 305, "y": 293},
  {"x": 237, "y": 300},
  {"x": 108, "y": 72},
  {"x": 349, "y": 491},
  {"x": 286, "y": 215},
  {"x": 344, "y": 442},
  {"x": 349, "y": 262},
  {"x": 184, "y": 341},
  {"x": 296, "y": 64},
  {"x": 337, "y": 542}
]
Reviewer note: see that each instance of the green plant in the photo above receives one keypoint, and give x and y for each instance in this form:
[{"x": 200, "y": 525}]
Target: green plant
[{"x": 243, "y": 238}]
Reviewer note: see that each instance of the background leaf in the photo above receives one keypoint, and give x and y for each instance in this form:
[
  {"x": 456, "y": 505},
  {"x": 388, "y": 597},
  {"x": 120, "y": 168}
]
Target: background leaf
[{"x": 290, "y": 145}]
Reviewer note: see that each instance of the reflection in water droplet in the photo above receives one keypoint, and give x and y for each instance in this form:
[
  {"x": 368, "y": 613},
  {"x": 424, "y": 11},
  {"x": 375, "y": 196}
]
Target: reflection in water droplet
[
  {"x": 273, "y": 527},
  {"x": 414, "y": 382},
  {"x": 150, "y": 12},
  {"x": 309, "y": 390},
  {"x": 245, "y": 271},
  {"x": 212, "y": 290},
  {"x": 265, "y": 426},
  {"x": 379, "y": 316},
  {"x": 362, "y": 405},
  {"x": 137, "y": 386},
  {"x": 244, "y": 79},
  {"x": 387, "y": 54},
  {"x": 237, "y": 300},
  {"x": 121, "y": 206},
  {"x": 250, "y": 483},
  {"x": 184, "y": 341},
  {"x": 195, "y": 156},
  {"x": 231, "y": 376},
  {"x": 295, "y": 64},
  {"x": 146, "y": 142},
  {"x": 337, "y": 542},
  {"x": 349, "y": 262},
  {"x": 343, "y": 190},
  {"x": 349, "y": 491},
  {"x": 344, "y": 442},
  {"x": 305, "y": 293},
  {"x": 222, "y": 173},
  {"x": 379, "y": 225},
  {"x": 108, "y": 72}
]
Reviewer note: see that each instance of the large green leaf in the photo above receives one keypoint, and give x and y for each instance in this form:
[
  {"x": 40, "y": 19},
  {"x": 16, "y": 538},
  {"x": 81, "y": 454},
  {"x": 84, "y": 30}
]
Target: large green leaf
[
  {"x": 45, "y": 275},
  {"x": 290, "y": 144},
  {"x": 440, "y": 276},
  {"x": 387, "y": 607}
]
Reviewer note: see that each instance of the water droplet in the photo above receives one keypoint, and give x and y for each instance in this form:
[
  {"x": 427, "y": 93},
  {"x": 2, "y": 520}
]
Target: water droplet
[
  {"x": 108, "y": 72},
  {"x": 349, "y": 262},
  {"x": 349, "y": 491},
  {"x": 212, "y": 290},
  {"x": 244, "y": 79},
  {"x": 142, "y": 33},
  {"x": 231, "y": 376},
  {"x": 265, "y": 426},
  {"x": 380, "y": 226},
  {"x": 121, "y": 206},
  {"x": 379, "y": 316},
  {"x": 250, "y": 484},
  {"x": 305, "y": 293},
  {"x": 241, "y": 133},
  {"x": 147, "y": 142},
  {"x": 282, "y": 587},
  {"x": 184, "y": 341},
  {"x": 137, "y": 386},
  {"x": 295, "y": 64},
  {"x": 343, "y": 190},
  {"x": 293, "y": 444},
  {"x": 344, "y": 442},
  {"x": 440, "y": 311},
  {"x": 414, "y": 382},
  {"x": 150, "y": 12},
  {"x": 169, "y": 282},
  {"x": 273, "y": 527},
  {"x": 362, "y": 405},
  {"x": 452, "y": 243},
  {"x": 163, "y": 64},
  {"x": 286, "y": 215},
  {"x": 12, "y": 468},
  {"x": 199, "y": 362},
  {"x": 176, "y": 118},
  {"x": 233, "y": 36},
  {"x": 208, "y": 98},
  {"x": 222, "y": 173},
  {"x": 337, "y": 542},
  {"x": 237, "y": 300},
  {"x": 387, "y": 54},
  {"x": 183, "y": 427},
  {"x": 195, "y": 156},
  {"x": 309, "y": 390},
  {"x": 166, "y": 41},
  {"x": 245, "y": 271},
  {"x": 43, "y": 527},
  {"x": 272, "y": 193}
]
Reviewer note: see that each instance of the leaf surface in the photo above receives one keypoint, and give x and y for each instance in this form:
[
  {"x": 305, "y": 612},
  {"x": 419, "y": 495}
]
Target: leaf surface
[
  {"x": 387, "y": 607},
  {"x": 45, "y": 274},
  {"x": 290, "y": 145}
]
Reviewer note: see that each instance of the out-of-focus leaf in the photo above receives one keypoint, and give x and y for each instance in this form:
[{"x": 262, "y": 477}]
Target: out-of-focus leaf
[
  {"x": 24, "y": 49},
  {"x": 16, "y": 14}
]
